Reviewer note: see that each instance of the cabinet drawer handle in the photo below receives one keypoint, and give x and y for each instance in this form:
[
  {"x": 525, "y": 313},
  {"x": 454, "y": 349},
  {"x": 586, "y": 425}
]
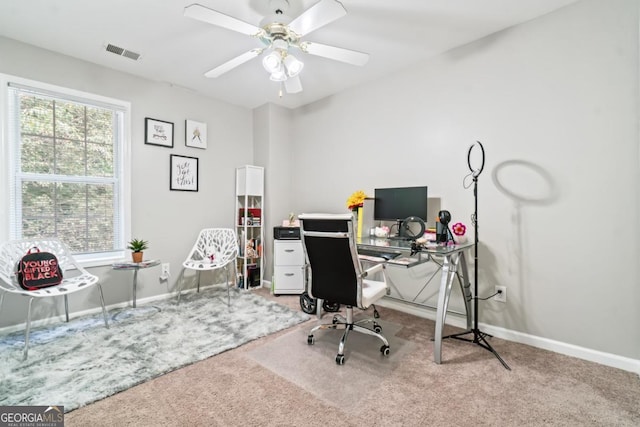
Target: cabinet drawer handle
[
  {"x": 289, "y": 274},
  {"x": 289, "y": 250}
]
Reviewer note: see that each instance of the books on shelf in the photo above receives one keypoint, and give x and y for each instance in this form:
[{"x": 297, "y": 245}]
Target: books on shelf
[
  {"x": 253, "y": 216},
  {"x": 251, "y": 248}
]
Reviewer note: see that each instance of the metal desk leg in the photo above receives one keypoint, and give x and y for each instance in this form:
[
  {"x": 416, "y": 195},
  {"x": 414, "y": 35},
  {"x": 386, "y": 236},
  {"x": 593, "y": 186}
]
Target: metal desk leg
[
  {"x": 135, "y": 285},
  {"x": 446, "y": 280}
]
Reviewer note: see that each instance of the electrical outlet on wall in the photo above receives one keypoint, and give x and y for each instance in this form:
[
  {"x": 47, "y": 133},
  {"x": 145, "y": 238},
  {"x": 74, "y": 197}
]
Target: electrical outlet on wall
[
  {"x": 165, "y": 271},
  {"x": 501, "y": 294}
]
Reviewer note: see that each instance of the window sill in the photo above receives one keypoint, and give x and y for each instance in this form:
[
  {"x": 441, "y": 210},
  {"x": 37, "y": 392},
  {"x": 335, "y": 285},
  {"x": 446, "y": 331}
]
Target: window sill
[{"x": 100, "y": 259}]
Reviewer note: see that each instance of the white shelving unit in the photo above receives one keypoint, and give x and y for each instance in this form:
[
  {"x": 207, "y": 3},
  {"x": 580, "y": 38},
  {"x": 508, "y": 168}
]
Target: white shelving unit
[{"x": 250, "y": 225}]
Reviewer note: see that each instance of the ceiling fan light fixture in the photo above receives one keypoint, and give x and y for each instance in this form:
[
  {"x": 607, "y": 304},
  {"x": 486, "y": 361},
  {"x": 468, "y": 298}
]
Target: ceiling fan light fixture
[
  {"x": 278, "y": 33},
  {"x": 280, "y": 44},
  {"x": 293, "y": 65},
  {"x": 278, "y": 76},
  {"x": 272, "y": 62},
  {"x": 293, "y": 85}
]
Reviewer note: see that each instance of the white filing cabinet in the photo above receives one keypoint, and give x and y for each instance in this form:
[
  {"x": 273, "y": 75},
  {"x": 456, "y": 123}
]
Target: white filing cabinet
[{"x": 288, "y": 267}]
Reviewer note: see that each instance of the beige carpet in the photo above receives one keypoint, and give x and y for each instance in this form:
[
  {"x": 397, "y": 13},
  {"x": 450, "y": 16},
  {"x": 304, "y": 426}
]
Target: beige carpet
[{"x": 470, "y": 388}]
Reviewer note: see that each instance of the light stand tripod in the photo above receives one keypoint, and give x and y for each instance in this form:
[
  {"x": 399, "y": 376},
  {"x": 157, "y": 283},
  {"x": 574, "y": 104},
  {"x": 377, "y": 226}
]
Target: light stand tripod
[{"x": 478, "y": 335}]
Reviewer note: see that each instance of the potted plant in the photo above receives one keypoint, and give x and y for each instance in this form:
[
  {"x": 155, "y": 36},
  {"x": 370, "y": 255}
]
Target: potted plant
[{"x": 137, "y": 246}]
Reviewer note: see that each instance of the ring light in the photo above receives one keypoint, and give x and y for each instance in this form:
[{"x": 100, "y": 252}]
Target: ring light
[
  {"x": 476, "y": 172},
  {"x": 411, "y": 231}
]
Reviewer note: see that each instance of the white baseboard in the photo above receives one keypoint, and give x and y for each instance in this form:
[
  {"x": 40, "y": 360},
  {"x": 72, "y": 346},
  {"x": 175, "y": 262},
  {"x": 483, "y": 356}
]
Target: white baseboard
[
  {"x": 608, "y": 359},
  {"x": 454, "y": 319}
]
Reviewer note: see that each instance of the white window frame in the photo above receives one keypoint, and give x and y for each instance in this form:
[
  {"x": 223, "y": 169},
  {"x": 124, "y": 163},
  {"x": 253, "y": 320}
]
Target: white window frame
[{"x": 6, "y": 168}]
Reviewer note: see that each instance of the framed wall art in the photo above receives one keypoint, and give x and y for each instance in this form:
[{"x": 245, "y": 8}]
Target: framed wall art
[
  {"x": 195, "y": 134},
  {"x": 183, "y": 173},
  {"x": 158, "y": 132}
]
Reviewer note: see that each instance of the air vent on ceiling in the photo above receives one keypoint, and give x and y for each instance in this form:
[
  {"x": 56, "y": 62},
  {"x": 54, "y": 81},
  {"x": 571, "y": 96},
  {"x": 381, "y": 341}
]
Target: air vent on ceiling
[{"x": 122, "y": 52}]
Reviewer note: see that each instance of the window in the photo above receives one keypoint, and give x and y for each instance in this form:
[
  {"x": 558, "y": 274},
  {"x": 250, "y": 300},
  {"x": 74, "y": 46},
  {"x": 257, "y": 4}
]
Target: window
[{"x": 67, "y": 172}]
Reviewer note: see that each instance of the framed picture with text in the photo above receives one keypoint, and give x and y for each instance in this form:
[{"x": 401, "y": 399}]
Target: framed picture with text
[
  {"x": 183, "y": 173},
  {"x": 195, "y": 134},
  {"x": 158, "y": 132}
]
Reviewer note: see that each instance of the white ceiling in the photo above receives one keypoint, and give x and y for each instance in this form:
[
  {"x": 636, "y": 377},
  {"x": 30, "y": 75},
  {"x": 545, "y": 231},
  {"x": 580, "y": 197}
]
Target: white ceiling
[{"x": 178, "y": 50}]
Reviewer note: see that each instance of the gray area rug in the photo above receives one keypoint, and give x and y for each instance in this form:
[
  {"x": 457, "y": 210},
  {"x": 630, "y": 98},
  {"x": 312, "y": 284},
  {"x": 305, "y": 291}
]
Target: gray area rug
[
  {"x": 76, "y": 363},
  {"x": 313, "y": 367}
]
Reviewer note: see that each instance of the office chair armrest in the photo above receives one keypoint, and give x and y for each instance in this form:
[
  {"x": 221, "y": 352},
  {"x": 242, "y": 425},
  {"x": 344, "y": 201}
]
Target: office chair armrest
[{"x": 374, "y": 269}]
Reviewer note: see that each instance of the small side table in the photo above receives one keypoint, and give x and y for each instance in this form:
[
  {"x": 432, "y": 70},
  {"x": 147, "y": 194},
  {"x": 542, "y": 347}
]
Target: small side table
[{"x": 135, "y": 266}]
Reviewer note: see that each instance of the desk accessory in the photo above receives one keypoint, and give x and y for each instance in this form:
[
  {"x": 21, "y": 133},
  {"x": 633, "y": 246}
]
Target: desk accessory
[
  {"x": 443, "y": 234},
  {"x": 478, "y": 335},
  {"x": 459, "y": 229},
  {"x": 413, "y": 227}
]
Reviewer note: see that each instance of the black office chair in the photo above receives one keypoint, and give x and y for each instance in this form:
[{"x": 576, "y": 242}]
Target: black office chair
[{"x": 336, "y": 275}]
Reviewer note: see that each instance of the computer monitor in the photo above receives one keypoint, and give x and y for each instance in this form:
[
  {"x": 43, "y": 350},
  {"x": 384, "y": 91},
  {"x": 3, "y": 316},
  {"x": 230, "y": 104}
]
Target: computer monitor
[{"x": 397, "y": 204}]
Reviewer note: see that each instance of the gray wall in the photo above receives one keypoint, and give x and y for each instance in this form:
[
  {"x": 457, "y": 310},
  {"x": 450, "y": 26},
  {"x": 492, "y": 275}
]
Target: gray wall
[
  {"x": 555, "y": 103},
  {"x": 170, "y": 220}
]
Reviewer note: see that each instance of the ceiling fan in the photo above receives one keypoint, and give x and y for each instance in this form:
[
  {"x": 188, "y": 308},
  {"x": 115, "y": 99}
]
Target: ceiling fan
[{"x": 281, "y": 36}]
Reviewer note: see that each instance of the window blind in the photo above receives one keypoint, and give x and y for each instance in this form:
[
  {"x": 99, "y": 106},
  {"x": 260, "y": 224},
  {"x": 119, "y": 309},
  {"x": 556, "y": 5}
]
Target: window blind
[{"x": 66, "y": 172}]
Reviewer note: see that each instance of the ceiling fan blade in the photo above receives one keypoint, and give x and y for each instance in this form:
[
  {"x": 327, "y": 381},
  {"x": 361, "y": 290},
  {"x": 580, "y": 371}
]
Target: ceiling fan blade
[
  {"x": 233, "y": 63},
  {"x": 293, "y": 84},
  {"x": 204, "y": 14},
  {"x": 318, "y": 15},
  {"x": 338, "y": 53}
]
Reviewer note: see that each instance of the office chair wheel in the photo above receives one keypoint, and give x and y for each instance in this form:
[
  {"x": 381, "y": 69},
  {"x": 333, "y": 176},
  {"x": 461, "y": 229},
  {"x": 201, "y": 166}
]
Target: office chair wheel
[
  {"x": 330, "y": 307},
  {"x": 310, "y": 340},
  {"x": 335, "y": 320},
  {"x": 307, "y": 304},
  {"x": 340, "y": 359},
  {"x": 377, "y": 328},
  {"x": 385, "y": 350}
]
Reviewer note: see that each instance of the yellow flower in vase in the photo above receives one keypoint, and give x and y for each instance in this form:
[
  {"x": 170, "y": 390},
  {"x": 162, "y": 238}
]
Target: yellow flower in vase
[{"x": 356, "y": 200}]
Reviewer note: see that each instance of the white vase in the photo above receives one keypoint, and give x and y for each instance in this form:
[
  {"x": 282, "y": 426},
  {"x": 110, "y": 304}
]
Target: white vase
[{"x": 459, "y": 239}]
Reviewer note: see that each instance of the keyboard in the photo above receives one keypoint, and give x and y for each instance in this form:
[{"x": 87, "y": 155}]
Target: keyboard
[{"x": 378, "y": 254}]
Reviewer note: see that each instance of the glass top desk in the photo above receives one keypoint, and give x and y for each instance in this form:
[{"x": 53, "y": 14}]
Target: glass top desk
[{"x": 453, "y": 257}]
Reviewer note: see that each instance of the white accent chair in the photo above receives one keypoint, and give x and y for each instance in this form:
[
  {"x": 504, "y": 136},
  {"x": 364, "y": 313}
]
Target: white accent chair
[
  {"x": 215, "y": 248},
  {"x": 75, "y": 277}
]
